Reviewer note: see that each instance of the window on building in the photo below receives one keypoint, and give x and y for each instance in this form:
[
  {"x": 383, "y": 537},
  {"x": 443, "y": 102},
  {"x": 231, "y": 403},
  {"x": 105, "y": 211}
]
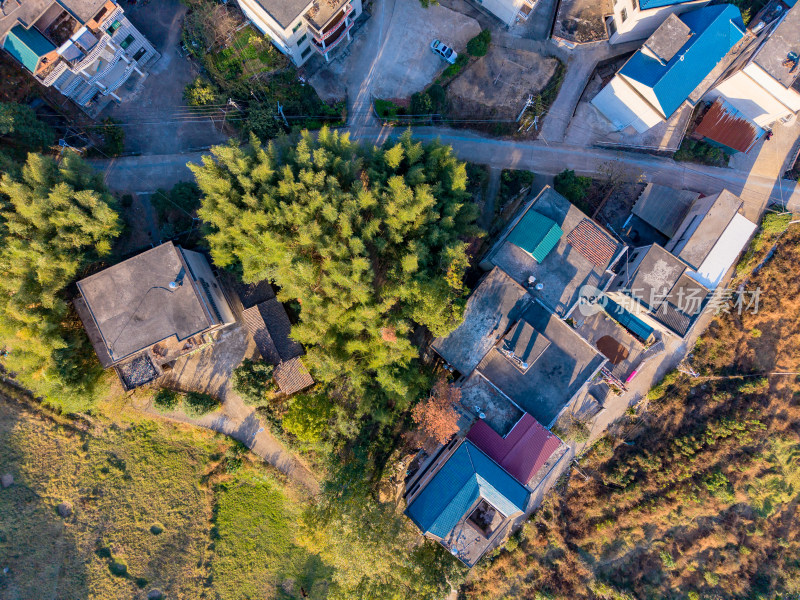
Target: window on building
[
  {"x": 623, "y": 15},
  {"x": 296, "y": 27},
  {"x": 635, "y": 4},
  {"x": 99, "y": 16},
  {"x": 126, "y": 42},
  {"x": 305, "y": 52},
  {"x": 302, "y": 39},
  {"x": 139, "y": 53},
  {"x": 114, "y": 26},
  {"x": 612, "y": 27}
]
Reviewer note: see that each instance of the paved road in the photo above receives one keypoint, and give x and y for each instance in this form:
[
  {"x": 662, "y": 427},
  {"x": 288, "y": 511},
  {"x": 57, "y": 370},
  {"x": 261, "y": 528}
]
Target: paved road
[{"x": 147, "y": 173}]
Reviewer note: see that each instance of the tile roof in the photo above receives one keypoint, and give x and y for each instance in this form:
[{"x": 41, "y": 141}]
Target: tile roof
[
  {"x": 28, "y": 46},
  {"x": 536, "y": 234},
  {"x": 716, "y": 29},
  {"x": 592, "y": 243},
  {"x": 522, "y": 452},
  {"x": 292, "y": 376},
  {"x": 663, "y": 207},
  {"x": 725, "y": 125},
  {"x": 269, "y": 325},
  {"x": 469, "y": 474},
  {"x": 258, "y": 329}
]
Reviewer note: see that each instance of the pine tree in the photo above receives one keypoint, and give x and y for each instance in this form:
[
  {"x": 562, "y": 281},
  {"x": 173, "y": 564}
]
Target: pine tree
[
  {"x": 366, "y": 240},
  {"x": 54, "y": 220}
]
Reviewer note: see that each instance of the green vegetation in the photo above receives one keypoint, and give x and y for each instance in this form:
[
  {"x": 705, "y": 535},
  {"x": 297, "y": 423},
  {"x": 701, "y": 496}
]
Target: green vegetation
[
  {"x": 368, "y": 241},
  {"x": 454, "y": 69},
  {"x": 513, "y": 181},
  {"x": 387, "y": 109},
  {"x": 244, "y": 66},
  {"x": 252, "y": 380},
  {"x": 700, "y": 500},
  {"x": 20, "y": 126},
  {"x": 544, "y": 99},
  {"x": 141, "y": 495},
  {"x": 573, "y": 187},
  {"x": 56, "y": 220},
  {"x": 167, "y": 400},
  {"x": 193, "y": 404},
  {"x": 479, "y": 45},
  {"x": 113, "y": 137},
  {"x": 772, "y": 227},
  {"x": 176, "y": 208},
  {"x": 199, "y": 93},
  {"x": 702, "y": 152},
  {"x": 431, "y": 101}
]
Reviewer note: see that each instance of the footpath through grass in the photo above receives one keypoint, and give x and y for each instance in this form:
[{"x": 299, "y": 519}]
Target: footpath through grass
[{"x": 149, "y": 506}]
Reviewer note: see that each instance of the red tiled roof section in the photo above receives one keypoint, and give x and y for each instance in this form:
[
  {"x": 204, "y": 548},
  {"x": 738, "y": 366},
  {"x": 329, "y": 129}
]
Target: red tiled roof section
[
  {"x": 592, "y": 242},
  {"x": 725, "y": 126},
  {"x": 524, "y": 451},
  {"x": 292, "y": 376}
]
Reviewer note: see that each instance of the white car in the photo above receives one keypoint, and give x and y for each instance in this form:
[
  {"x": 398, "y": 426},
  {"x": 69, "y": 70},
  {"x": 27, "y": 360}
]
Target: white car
[{"x": 445, "y": 52}]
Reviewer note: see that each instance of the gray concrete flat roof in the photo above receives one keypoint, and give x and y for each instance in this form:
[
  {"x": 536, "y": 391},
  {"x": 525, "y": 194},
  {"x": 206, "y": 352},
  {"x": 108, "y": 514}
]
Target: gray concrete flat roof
[
  {"x": 558, "y": 373},
  {"x": 696, "y": 238},
  {"x": 664, "y": 208},
  {"x": 493, "y": 307},
  {"x": 134, "y": 307},
  {"x": 84, "y": 10},
  {"x": 28, "y": 12},
  {"x": 284, "y": 11},
  {"x": 565, "y": 270},
  {"x": 669, "y": 38},
  {"x": 783, "y": 40},
  {"x": 654, "y": 277}
]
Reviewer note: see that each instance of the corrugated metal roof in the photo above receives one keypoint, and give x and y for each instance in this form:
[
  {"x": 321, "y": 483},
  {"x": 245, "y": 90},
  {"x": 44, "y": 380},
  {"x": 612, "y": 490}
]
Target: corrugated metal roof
[
  {"x": 592, "y": 243},
  {"x": 647, "y": 4},
  {"x": 467, "y": 475},
  {"x": 716, "y": 29},
  {"x": 522, "y": 452},
  {"x": 536, "y": 234},
  {"x": 27, "y": 46},
  {"x": 663, "y": 207},
  {"x": 725, "y": 125},
  {"x": 628, "y": 320}
]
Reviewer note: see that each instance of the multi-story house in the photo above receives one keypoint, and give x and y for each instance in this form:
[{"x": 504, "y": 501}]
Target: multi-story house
[
  {"x": 86, "y": 49},
  {"x": 509, "y": 11},
  {"x": 638, "y": 19},
  {"x": 298, "y": 28},
  {"x": 763, "y": 85}
]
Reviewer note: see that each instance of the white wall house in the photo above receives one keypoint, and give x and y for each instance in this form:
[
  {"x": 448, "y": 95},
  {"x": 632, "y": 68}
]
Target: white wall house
[
  {"x": 765, "y": 86},
  {"x": 509, "y": 11},
  {"x": 638, "y": 19},
  {"x": 86, "y": 49},
  {"x": 300, "y": 28},
  {"x": 674, "y": 61}
]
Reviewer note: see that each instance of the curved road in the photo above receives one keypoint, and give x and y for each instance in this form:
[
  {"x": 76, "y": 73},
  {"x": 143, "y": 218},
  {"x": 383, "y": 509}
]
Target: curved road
[{"x": 148, "y": 173}]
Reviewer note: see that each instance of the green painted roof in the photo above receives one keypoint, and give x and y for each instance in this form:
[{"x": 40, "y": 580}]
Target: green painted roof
[
  {"x": 536, "y": 234},
  {"x": 27, "y": 46}
]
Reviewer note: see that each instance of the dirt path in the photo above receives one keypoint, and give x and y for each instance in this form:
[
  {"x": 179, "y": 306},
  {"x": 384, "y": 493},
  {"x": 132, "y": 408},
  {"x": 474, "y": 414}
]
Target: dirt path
[
  {"x": 492, "y": 189},
  {"x": 241, "y": 422}
]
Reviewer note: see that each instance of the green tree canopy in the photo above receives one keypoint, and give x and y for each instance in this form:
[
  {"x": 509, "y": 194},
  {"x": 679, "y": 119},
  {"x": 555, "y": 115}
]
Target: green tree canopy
[
  {"x": 54, "y": 220},
  {"x": 20, "y": 123},
  {"x": 369, "y": 241}
]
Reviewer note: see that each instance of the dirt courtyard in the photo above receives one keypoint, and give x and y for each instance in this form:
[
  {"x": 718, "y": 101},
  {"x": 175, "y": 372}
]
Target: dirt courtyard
[{"x": 498, "y": 84}]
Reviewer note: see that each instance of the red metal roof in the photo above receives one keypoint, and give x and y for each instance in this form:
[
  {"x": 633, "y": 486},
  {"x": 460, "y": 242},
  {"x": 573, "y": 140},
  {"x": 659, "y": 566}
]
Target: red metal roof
[
  {"x": 592, "y": 242},
  {"x": 727, "y": 126},
  {"x": 522, "y": 452}
]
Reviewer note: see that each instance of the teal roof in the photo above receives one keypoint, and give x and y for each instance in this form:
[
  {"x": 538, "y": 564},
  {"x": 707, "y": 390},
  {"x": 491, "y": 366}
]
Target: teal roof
[
  {"x": 536, "y": 234},
  {"x": 467, "y": 475},
  {"x": 27, "y": 46},
  {"x": 628, "y": 320},
  {"x": 715, "y": 30}
]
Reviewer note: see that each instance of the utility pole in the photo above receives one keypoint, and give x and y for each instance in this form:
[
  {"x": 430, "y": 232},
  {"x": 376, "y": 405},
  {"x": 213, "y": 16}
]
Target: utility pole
[{"x": 280, "y": 112}]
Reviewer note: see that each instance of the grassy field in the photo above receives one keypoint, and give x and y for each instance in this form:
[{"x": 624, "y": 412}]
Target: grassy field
[
  {"x": 154, "y": 506},
  {"x": 700, "y": 501}
]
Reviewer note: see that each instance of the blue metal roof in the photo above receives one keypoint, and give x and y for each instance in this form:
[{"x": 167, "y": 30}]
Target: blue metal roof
[
  {"x": 715, "y": 30},
  {"x": 647, "y": 4},
  {"x": 28, "y": 46},
  {"x": 467, "y": 475},
  {"x": 628, "y": 320}
]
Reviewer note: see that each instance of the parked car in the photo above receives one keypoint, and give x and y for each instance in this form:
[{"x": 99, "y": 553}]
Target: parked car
[{"x": 445, "y": 52}]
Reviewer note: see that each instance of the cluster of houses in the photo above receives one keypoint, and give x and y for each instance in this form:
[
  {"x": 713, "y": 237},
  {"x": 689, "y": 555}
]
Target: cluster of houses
[
  {"x": 565, "y": 317},
  {"x": 744, "y": 81}
]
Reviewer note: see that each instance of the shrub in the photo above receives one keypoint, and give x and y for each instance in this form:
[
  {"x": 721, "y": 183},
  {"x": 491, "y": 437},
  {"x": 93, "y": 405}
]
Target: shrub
[
  {"x": 667, "y": 560},
  {"x": 455, "y": 69},
  {"x": 573, "y": 187},
  {"x": 166, "y": 400},
  {"x": 113, "y": 137},
  {"x": 711, "y": 577},
  {"x": 479, "y": 45},
  {"x": 253, "y": 381},
  {"x": 118, "y": 567},
  {"x": 199, "y": 93},
  {"x": 308, "y": 417},
  {"x": 701, "y": 152},
  {"x": 196, "y": 404}
]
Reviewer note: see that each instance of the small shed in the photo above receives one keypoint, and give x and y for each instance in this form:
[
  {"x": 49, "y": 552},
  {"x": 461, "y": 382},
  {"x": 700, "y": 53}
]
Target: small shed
[{"x": 536, "y": 234}]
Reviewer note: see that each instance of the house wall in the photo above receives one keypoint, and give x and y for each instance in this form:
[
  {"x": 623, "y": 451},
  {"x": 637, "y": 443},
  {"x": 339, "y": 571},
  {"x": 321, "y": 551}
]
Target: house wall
[
  {"x": 641, "y": 24},
  {"x": 624, "y": 107},
  {"x": 505, "y": 10},
  {"x": 201, "y": 270},
  {"x": 751, "y": 99},
  {"x": 294, "y": 41}
]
